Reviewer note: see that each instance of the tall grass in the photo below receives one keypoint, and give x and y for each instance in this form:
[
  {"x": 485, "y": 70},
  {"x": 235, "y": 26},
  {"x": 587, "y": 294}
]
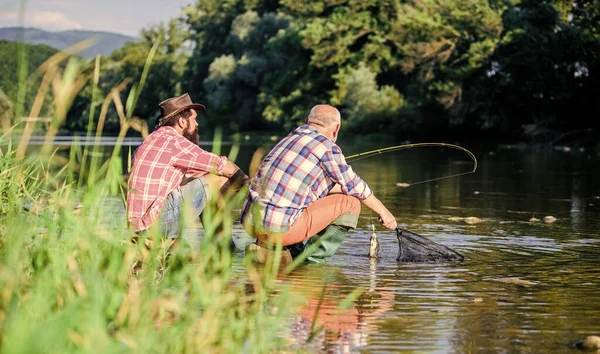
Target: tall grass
[{"x": 72, "y": 281}]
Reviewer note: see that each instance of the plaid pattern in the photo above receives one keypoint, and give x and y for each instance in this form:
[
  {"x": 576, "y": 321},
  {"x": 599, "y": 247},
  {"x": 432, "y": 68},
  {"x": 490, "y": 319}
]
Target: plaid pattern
[
  {"x": 302, "y": 168},
  {"x": 159, "y": 166}
]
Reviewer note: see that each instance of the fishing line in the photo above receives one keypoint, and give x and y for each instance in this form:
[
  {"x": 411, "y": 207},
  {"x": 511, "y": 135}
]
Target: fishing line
[{"x": 364, "y": 155}]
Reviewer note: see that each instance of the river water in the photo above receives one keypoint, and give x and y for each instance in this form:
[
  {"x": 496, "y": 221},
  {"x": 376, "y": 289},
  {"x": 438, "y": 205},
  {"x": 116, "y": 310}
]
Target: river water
[{"x": 526, "y": 287}]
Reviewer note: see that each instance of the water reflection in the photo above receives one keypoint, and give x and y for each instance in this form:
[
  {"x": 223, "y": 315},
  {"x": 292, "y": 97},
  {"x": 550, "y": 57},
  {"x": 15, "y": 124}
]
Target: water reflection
[
  {"x": 469, "y": 306},
  {"x": 524, "y": 287},
  {"x": 320, "y": 324}
]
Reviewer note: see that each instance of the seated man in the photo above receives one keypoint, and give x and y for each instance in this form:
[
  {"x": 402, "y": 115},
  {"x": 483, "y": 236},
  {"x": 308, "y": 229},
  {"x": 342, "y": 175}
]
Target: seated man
[
  {"x": 170, "y": 168},
  {"x": 304, "y": 191}
]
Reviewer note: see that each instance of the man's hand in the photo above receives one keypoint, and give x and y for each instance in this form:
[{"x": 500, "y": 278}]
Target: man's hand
[
  {"x": 388, "y": 220},
  {"x": 240, "y": 178},
  {"x": 385, "y": 217},
  {"x": 236, "y": 181},
  {"x": 245, "y": 180}
]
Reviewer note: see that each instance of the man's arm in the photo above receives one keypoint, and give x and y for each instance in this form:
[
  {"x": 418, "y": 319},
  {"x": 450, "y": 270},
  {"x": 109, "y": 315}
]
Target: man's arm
[
  {"x": 236, "y": 177},
  {"x": 372, "y": 202},
  {"x": 385, "y": 217},
  {"x": 230, "y": 169},
  {"x": 335, "y": 166}
]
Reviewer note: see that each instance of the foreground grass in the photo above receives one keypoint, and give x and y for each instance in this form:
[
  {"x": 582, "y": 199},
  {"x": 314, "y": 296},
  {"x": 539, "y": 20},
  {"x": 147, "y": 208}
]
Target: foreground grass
[
  {"x": 71, "y": 280},
  {"x": 67, "y": 283}
]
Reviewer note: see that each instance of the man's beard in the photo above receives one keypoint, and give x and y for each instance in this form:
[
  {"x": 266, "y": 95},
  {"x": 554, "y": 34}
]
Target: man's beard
[{"x": 192, "y": 135}]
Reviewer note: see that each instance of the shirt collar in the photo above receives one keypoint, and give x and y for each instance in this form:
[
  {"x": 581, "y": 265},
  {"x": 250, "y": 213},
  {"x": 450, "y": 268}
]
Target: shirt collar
[
  {"x": 306, "y": 129},
  {"x": 167, "y": 130}
]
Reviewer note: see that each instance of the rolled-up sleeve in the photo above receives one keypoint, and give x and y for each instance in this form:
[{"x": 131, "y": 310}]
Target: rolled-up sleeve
[
  {"x": 335, "y": 167},
  {"x": 191, "y": 156}
]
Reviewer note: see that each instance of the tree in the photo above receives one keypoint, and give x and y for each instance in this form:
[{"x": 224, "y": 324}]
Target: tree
[
  {"x": 512, "y": 67},
  {"x": 368, "y": 108},
  {"x": 9, "y": 74},
  {"x": 246, "y": 76},
  {"x": 168, "y": 65},
  {"x": 542, "y": 79}
]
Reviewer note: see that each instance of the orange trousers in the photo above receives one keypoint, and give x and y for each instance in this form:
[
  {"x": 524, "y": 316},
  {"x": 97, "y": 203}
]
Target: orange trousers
[{"x": 317, "y": 216}]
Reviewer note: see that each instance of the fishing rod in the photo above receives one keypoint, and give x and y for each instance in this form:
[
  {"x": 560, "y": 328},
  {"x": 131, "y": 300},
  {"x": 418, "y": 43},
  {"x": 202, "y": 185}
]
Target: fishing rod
[
  {"x": 364, "y": 155},
  {"x": 414, "y": 247}
]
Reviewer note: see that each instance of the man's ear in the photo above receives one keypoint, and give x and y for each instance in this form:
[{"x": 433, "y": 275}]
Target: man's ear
[
  {"x": 336, "y": 131},
  {"x": 180, "y": 122}
]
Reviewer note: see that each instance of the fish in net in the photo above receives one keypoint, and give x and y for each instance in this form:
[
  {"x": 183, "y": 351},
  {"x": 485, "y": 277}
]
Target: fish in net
[{"x": 416, "y": 248}]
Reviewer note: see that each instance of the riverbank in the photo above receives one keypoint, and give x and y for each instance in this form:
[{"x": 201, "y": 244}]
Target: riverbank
[{"x": 71, "y": 278}]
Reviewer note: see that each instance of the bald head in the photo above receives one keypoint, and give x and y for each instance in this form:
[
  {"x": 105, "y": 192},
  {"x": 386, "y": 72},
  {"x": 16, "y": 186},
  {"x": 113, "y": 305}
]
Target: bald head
[{"x": 324, "y": 115}]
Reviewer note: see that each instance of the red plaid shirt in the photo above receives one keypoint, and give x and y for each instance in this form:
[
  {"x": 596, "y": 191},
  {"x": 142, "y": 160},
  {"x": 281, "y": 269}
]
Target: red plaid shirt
[{"x": 159, "y": 166}]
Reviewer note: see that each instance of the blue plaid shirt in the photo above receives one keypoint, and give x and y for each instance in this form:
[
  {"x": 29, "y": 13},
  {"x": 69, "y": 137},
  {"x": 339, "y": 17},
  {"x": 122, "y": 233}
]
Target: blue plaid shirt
[{"x": 302, "y": 168}]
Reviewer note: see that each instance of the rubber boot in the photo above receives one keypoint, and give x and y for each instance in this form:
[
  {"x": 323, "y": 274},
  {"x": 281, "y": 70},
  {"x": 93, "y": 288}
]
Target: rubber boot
[{"x": 324, "y": 244}]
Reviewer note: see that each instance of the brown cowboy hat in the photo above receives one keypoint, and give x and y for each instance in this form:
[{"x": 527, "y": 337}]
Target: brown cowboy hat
[{"x": 175, "y": 105}]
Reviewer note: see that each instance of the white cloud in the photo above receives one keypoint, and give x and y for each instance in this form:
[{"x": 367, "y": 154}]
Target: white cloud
[{"x": 49, "y": 20}]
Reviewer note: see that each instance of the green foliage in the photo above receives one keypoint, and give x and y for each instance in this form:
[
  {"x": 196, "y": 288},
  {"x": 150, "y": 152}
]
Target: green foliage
[
  {"x": 67, "y": 278},
  {"x": 461, "y": 66},
  {"x": 71, "y": 277},
  {"x": 443, "y": 43},
  {"x": 518, "y": 69},
  {"x": 247, "y": 85},
  {"x": 127, "y": 63},
  {"x": 369, "y": 109},
  {"x": 9, "y": 73},
  {"x": 357, "y": 54},
  {"x": 543, "y": 76}
]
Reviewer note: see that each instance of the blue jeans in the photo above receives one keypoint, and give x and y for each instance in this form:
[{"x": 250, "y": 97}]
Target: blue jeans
[{"x": 196, "y": 192}]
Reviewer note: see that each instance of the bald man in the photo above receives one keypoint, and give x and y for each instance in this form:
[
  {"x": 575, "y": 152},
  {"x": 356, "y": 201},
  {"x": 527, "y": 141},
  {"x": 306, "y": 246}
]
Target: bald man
[{"x": 305, "y": 196}]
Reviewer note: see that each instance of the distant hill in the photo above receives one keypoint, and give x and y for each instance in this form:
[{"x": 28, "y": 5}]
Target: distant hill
[{"x": 105, "y": 43}]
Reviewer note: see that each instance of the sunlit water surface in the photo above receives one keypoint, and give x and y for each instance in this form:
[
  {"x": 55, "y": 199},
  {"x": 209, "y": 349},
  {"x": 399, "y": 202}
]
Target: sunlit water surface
[
  {"x": 524, "y": 287},
  {"x": 527, "y": 287}
]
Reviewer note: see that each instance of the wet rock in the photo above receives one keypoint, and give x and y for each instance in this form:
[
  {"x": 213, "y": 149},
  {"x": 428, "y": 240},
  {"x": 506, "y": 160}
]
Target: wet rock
[
  {"x": 589, "y": 343},
  {"x": 516, "y": 281},
  {"x": 549, "y": 219},
  {"x": 473, "y": 220},
  {"x": 534, "y": 219},
  {"x": 441, "y": 310},
  {"x": 469, "y": 220}
]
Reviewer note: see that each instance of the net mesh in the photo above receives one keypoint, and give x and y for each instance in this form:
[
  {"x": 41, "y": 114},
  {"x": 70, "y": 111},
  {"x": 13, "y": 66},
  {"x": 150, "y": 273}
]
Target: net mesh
[{"x": 417, "y": 248}]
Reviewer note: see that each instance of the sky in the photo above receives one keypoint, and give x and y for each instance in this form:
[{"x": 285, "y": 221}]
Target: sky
[{"x": 121, "y": 16}]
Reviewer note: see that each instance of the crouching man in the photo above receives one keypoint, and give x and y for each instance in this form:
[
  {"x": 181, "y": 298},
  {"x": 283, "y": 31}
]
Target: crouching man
[
  {"x": 305, "y": 196},
  {"x": 169, "y": 169}
]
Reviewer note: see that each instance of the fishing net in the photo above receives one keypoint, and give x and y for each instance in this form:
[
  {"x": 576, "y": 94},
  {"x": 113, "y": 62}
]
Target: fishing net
[{"x": 416, "y": 248}]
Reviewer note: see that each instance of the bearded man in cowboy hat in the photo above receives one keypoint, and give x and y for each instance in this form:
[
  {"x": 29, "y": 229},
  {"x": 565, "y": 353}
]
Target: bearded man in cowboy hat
[{"x": 169, "y": 169}]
